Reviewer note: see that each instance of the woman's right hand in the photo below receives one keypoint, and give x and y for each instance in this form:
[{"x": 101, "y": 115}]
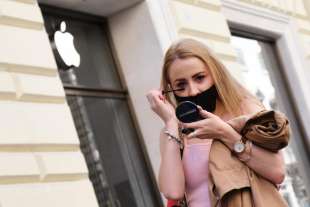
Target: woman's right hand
[{"x": 161, "y": 106}]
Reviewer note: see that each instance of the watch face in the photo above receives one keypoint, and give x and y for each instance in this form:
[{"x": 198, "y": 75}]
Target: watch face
[{"x": 239, "y": 147}]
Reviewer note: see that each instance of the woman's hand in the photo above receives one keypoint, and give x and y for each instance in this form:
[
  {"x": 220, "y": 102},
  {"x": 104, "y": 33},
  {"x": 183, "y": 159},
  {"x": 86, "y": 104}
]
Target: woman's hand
[
  {"x": 161, "y": 106},
  {"x": 211, "y": 127}
]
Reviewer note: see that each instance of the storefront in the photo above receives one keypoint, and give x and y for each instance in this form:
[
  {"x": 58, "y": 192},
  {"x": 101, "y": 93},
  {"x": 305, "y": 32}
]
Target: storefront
[{"x": 77, "y": 127}]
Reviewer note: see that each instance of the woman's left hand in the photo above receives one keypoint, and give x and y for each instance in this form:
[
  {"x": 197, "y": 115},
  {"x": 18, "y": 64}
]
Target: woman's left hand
[{"x": 211, "y": 127}]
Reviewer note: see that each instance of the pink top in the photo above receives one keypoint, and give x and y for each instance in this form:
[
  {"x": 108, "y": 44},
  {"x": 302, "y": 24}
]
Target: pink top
[{"x": 195, "y": 163}]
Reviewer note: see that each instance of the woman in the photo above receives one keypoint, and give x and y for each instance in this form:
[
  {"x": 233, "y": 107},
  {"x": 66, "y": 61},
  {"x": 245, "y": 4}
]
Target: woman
[{"x": 193, "y": 73}]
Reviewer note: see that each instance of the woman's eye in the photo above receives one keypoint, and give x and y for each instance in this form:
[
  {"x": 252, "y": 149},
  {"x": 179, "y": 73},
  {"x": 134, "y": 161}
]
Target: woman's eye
[
  {"x": 200, "y": 77},
  {"x": 180, "y": 86}
]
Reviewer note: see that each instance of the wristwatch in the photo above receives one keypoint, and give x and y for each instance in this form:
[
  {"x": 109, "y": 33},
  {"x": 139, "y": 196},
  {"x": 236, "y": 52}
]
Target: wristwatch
[{"x": 239, "y": 146}]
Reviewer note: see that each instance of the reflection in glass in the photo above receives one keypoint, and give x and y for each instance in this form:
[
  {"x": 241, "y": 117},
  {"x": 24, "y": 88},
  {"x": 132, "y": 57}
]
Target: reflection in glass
[
  {"x": 94, "y": 118},
  {"x": 257, "y": 79},
  {"x": 89, "y": 149}
]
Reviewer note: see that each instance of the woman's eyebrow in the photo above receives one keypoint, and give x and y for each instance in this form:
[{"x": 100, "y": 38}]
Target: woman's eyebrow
[
  {"x": 199, "y": 73},
  {"x": 183, "y": 79}
]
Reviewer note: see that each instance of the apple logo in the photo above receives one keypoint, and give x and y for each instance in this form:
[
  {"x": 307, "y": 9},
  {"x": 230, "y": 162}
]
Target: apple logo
[{"x": 64, "y": 45}]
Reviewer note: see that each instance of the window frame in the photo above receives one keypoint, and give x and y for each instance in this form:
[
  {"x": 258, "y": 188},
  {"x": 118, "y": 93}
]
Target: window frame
[{"x": 104, "y": 92}]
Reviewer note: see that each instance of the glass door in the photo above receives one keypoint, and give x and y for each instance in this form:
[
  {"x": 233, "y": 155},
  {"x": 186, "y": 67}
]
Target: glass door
[{"x": 262, "y": 76}]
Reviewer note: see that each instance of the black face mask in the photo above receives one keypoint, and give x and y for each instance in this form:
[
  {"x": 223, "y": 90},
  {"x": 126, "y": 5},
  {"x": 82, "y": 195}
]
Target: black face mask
[{"x": 205, "y": 99}]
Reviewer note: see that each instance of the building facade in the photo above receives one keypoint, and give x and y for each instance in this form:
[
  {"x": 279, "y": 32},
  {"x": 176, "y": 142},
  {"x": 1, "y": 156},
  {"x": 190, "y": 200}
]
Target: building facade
[{"x": 76, "y": 126}]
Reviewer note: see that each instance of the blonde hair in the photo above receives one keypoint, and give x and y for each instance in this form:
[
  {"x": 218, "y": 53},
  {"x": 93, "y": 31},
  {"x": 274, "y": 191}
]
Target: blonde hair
[{"x": 231, "y": 93}]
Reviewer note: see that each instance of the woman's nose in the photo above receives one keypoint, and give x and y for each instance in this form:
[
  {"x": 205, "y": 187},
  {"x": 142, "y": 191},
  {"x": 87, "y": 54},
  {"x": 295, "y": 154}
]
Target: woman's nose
[{"x": 193, "y": 90}]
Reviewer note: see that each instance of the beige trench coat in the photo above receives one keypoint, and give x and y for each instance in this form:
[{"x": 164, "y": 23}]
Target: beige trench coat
[{"x": 231, "y": 182}]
